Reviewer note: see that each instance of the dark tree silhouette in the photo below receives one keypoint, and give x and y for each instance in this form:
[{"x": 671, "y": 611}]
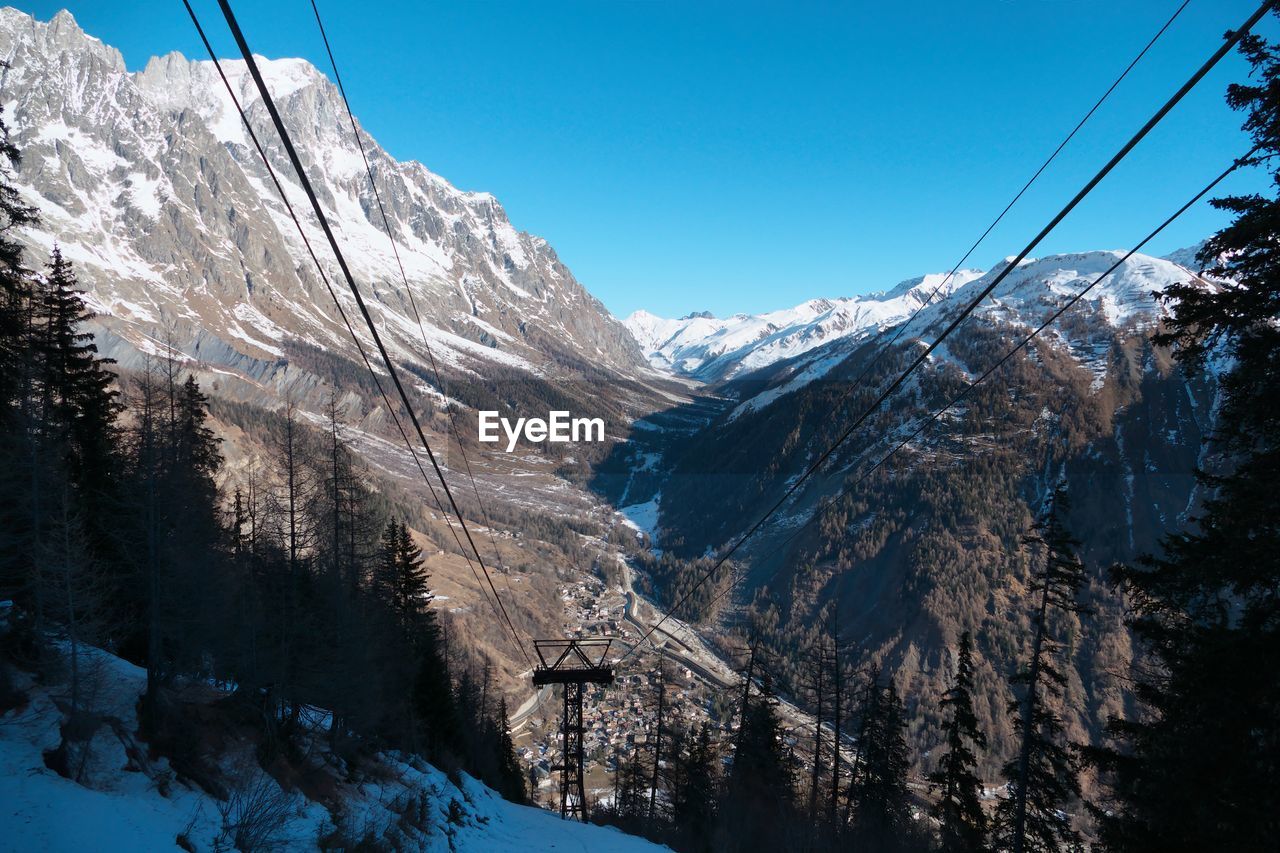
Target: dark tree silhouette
[
  {"x": 1043, "y": 778},
  {"x": 882, "y": 804},
  {"x": 757, "y": 809},
  {"x": 1206, "y": 610},
  {"x": 962, "y": 823}
]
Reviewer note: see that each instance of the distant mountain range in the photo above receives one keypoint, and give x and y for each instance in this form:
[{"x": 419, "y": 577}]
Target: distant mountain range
[{"x": 704, "y": 347}]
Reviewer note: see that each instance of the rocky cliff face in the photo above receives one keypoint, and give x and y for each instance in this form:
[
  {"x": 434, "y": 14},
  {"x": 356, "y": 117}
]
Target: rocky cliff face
[{"x": 151, "y": 184}]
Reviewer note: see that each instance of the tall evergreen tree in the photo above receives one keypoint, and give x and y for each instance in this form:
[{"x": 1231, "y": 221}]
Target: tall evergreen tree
[
  {"x": 15, "y": 278},
  {"x": 659, "y": 735},
  {"x": 511, "y": 777},
  {"x": 630, "y": 785},
  {"x": 402, "y": 580},
  {"x": 758, "y": 806},
  {"x": 196, "y": 444},
  {"x": 882, "y": 804},
  {"x": 696, "y": 778},
  {"x": 76, "y": 385},
  {"x": 962, "y": 822},
  {"x": 1043, "y": 778},
  {"x": 818, "y": 687},
  {"x": 1199, "y": 769}
]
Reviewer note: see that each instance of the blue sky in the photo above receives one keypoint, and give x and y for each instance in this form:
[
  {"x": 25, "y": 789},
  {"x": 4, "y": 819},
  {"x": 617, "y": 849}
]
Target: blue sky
[{"x": 744, "y": 156}]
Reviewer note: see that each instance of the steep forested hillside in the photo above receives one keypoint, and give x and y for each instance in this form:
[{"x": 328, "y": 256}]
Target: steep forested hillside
[{"x": 928, "y": 546}]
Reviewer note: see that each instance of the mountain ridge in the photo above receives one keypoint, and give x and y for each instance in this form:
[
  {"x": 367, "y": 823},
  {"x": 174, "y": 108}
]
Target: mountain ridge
[
  {"x": 160, "y": 155},
  {"x": 712, "y": 350}
]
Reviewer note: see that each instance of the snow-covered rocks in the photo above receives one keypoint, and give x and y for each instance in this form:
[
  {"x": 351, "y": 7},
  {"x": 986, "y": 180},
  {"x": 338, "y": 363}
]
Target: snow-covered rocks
[{"x": 129, "y": 801}]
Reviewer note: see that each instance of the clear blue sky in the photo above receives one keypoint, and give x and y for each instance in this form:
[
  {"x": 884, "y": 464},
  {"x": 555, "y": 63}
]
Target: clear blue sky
[{"x": 743, "y": 156}]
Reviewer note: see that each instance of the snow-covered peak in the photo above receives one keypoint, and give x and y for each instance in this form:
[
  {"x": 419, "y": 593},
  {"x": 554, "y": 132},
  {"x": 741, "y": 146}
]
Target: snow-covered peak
[
  {"x": 1125, "y": 297},
  {"x": 933, "y": 286},
  {"x": 150, "y": 183},
  {"x": 1122, "y": 303},
  {"x": 61, "y": 32},
  {"x": 708, "y": 348},
  {"x": 711, "y": 349}
]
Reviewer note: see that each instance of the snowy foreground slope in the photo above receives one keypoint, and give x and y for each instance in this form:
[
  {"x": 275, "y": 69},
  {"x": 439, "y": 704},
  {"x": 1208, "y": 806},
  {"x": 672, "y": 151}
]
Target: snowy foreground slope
[{"x": 131, "y": 802}]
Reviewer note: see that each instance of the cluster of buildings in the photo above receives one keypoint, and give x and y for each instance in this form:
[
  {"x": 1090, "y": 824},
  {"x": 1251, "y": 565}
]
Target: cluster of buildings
[{"x": 619, "y": 718}]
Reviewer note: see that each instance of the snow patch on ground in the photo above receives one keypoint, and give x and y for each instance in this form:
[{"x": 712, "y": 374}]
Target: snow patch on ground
[
  {"x": 128, "y": 806},
  {"x": 643, "y": 517}
]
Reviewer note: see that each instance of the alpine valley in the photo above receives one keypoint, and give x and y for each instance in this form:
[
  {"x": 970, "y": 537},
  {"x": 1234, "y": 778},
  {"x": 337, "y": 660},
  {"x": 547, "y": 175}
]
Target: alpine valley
[{"x": 149, "y": 185}]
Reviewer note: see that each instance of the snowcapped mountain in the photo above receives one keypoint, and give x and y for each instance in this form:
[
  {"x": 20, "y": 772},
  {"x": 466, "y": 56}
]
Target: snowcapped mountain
[
  {"x": 1124, "y": 299},
  {"x": 815, "y": 335},
  {"x": 710, "y": 349},
  {"x": 151, "y": 185}
]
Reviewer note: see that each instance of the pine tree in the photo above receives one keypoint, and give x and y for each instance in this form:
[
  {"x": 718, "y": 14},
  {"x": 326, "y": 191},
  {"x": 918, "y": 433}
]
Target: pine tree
[
  {"x": 401, "y": 578},
  {"x": 75, "y": 384},
  {"x": 173, "y": 530},
  {"x": 1200, "y": 766},
  {"x": 882, "y": 804},
  {"x": 630, "y": 778},
  {"x": 146, "y": 469},
  {"x": 959, "y": 812},
  {"x": 295, "y": 496},
  {"x": 659, "y": 734},
  {"x": 818, "y": 688},
  {"x": 343, "y": 523},
  {"x": 402, "y": 584},
  {"x": 511, "y": 777},
  {"x": 15, "y": 279},
  {"x": 758, "y": 805},
  {"x": 196, "y": 443},
  {"x": 839, "y": 679},
  {"x": 197, "y": 544},
  {"x": 1043, "y": 775},
  {"x": 696, "y": 781}
]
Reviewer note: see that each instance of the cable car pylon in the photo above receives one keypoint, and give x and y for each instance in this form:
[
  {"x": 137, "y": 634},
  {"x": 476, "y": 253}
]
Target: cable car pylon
[{"x": 574, "y": 663}]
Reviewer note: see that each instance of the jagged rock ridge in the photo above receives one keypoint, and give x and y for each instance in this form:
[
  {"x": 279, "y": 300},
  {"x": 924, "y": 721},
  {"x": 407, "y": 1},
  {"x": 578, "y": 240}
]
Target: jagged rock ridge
[{"x": 150, "y": 183}]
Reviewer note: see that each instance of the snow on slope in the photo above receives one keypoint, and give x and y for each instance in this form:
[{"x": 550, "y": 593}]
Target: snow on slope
[
  {"x": 149, "y": 183},
  {"x": 711, "y": 349},
  {"x": 135, "y": 804},
  {"x": 1123, "y": 301}
]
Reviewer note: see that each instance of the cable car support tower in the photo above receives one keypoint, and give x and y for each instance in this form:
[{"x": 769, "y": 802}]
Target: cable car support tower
[{"x": 573, "y": 663}]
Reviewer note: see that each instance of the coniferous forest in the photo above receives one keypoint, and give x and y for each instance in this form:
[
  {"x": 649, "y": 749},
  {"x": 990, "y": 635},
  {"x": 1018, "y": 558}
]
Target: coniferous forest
[{"x": 287, "y": 604}]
